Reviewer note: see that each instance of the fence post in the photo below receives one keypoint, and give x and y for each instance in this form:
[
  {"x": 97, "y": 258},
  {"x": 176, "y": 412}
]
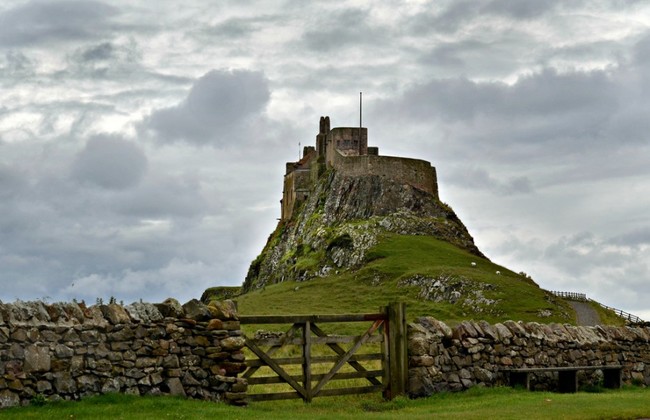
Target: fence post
[
  {"x": 397, "y": 357},
  {"x": 306, "y": 361}
]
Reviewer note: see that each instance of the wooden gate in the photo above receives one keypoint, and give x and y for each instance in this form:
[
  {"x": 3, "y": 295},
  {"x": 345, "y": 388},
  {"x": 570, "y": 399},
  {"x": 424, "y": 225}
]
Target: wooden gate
[{"x": 387, "y": 328}]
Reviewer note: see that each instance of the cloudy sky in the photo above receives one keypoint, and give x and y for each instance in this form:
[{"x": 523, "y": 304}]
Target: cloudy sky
[{"x": 142, "y": 144}]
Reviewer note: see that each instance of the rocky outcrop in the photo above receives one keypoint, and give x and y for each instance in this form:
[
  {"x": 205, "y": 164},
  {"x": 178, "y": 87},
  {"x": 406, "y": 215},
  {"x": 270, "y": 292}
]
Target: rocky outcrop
[
  {"x": 342, "y": 219},
  {"x": 68, "y": 351}
]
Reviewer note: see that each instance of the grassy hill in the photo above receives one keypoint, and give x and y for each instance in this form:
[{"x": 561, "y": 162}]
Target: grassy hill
[{"x": 432, "y": 276}]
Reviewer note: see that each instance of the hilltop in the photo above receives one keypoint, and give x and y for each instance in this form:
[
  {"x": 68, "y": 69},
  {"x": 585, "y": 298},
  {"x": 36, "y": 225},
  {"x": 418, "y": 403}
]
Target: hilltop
[{"x": 359, "y": 230}]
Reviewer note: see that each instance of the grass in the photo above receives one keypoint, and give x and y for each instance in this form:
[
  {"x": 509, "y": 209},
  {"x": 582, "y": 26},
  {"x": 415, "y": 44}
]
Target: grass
[
  {"x": 607, "y": 316},
  {"x": 477, "y": 403},
  {"x": 400, "y": 257}
]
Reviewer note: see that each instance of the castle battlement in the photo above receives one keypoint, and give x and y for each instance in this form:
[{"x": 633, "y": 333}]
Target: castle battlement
[{"x": 345, "y": 149}]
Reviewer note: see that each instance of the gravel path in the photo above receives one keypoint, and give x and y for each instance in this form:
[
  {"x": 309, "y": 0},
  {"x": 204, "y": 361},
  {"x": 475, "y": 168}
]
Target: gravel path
[{"x": 586, "y": 314}]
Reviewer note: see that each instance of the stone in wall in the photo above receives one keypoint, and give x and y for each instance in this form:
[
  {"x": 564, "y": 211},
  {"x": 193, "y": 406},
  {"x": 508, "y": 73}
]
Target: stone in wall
[
  {"x": 68, "y": 351},
  {"x": 470, "y": 354}
]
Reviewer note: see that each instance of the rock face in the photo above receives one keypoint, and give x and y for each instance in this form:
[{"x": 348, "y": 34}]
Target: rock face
[{"x": 342, "y": 218}]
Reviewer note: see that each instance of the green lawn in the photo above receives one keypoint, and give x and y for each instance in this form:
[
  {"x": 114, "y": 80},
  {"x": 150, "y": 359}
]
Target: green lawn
[{"x": 477, "y": 403}]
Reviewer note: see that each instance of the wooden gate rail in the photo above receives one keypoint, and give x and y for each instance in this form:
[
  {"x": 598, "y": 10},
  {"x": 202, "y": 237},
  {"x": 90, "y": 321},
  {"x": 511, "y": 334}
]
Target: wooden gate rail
[{"x": 390, "y": 326}]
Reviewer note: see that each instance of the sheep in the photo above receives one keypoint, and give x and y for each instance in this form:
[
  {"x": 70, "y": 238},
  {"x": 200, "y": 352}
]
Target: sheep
[
  {"x": 498, "y": 273},
  {"x": 473, "y": 264}
]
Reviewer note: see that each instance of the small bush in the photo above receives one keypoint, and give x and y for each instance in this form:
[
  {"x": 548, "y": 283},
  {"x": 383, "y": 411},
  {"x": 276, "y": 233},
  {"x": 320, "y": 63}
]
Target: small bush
[{"x": 39, "y": 400}]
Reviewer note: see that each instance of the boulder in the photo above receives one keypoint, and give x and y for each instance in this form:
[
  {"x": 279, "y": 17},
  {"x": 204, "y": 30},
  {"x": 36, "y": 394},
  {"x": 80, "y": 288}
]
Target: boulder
[
  {"x": 171, "y": 308},
  {"x": 196, "y": 311}
]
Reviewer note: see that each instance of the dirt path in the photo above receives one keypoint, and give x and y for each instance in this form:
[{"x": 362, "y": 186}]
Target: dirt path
[{"x": 586, "y": 314}]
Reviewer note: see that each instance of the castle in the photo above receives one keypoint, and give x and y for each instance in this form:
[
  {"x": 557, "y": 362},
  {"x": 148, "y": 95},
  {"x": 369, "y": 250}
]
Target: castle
[{"x": 345, "y": 149}]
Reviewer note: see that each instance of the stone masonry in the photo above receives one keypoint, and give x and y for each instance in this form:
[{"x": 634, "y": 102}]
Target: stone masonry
[
  {"x": 442, "y": 358},
  {"x": 68, "y": 351}
]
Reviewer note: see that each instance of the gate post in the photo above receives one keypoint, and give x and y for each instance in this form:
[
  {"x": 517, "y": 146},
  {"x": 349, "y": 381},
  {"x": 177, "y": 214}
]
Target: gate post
[
  {"x": 398, "y": 351},
  {"x": 306, "y": 361}
]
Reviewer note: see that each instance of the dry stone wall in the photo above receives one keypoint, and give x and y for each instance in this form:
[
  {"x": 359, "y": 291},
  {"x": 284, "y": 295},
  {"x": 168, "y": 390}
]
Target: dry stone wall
[
  {"x": 442, "y": 358},
  {"x": 67, "y": 351}
]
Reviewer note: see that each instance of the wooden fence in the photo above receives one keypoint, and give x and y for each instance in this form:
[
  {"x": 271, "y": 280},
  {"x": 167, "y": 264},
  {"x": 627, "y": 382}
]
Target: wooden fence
[
  {"x": 630, "y": 318},
  {"x": 387, "y": 330},
  {"x": 580, "y": 297}
]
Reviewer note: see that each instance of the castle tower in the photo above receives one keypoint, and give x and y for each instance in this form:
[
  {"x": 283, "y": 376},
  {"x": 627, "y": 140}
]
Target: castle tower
[{"x": 321, "y": 137}]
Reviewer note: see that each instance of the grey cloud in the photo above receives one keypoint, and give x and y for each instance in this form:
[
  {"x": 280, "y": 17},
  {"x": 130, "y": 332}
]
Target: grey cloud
[
  {"x": 110, "y": 162},
  {"x": 103, "y": 51},
  {"x": 521, "y": 9},
  {"x": 451, "y": 18},
  {"x": 11, "y": 181},
  {"x": 16, "y": 64},
  {"x": 638, "y": 237},
  {"x": 480, "y": 179},
  {"x": 241, "y": 27},
  {"x": 43, "y": 21},
  {"x": 104, "y": 60},
  {"x": 343, "y": 28},
  {"x": 217, "y": 110},
  {"x": 546, "y": 93},
  {"x": 543, "y": 115},
  {"x": 165, "y": 196}
]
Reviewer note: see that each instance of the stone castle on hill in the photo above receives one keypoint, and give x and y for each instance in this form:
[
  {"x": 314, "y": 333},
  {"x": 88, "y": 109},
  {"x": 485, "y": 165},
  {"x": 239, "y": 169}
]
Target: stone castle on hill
[{"x": 346, "y": 150}]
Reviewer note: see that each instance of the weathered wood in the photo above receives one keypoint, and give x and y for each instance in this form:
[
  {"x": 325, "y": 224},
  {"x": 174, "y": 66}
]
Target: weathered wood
[
  {"x": 392, "y": 381},
  {"x": 314, "y": 359},
  {"x": 327, "y": 339},
  {"x": 384, "y": 360},
  {"x": 324, "y": 393},
  {"x": 318, "y": 377},
  {"x": 274, "y": 396},
  {"x": 274, "y": 348},
  {"x": 349, "y": 391},
  {"x": 398, "y": 355},
  {"x": 287, "y": 319},
  {"x": 295, "y": 385},
  {"x": 562, "y": 368},
  {"x": 306, "y": 364},
  {"x": 344, "y": 358},
  {"x": 340, "y": 351}
]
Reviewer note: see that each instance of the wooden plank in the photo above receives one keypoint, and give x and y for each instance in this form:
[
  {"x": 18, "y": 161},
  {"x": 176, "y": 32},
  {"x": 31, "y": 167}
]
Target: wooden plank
[
  {"x": 344, "y": 375},
  {"x": 274, "y": 348},
  {"x": 349, "y": 391},
  {"x": 324, "y": 393},
  {"x": 306, "y": 364},
  {"x": 328, "y": 339},
  {"x": 288, "y": 319},
  {"x": 274, "y": 396},
  {"x": 345, "y": 339},
  {"x": 561, "y": 368},
  {"x": 340, "y": 351},
  {"x": 314, "y": 359},
  {"x": 344, "y": 359},
  {"x": 276, "y": 368},
  {"x": 385, "y": 349}
]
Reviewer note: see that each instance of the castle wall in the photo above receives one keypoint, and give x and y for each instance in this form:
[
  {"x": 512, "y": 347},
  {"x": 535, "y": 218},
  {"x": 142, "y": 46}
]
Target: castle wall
[
  {"x": 296, "y": 190},
  {"x": 415, "y": 172},
  {"x": 68, "y": 351},
  {"x": 476, "y": 353},
  {"x": 347, "y": 141}
]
